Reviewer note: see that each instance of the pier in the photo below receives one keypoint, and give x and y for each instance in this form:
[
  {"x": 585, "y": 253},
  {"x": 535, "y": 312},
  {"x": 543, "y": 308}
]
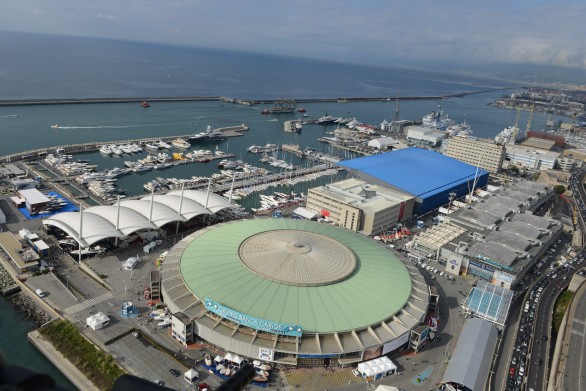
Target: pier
[
  {"x": 284, "y": 178},
  {"x": 230, "y": 131}
]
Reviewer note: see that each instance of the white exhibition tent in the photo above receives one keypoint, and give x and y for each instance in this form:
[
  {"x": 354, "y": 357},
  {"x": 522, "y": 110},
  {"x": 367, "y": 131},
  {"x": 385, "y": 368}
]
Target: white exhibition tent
[
  {"x": 233, "y": 358},
  {"x": 98, "y": 321},
  {"x": 191, "y": 375},
  {"x": 382, "y": 387},
  {"x": 379, "y": 366}
]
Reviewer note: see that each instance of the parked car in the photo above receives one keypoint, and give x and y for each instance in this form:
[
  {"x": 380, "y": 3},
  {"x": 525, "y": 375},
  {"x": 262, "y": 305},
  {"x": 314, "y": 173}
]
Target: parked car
[
  {"x": 40, "y": 293},
  {"x": 174, "y": 372}
]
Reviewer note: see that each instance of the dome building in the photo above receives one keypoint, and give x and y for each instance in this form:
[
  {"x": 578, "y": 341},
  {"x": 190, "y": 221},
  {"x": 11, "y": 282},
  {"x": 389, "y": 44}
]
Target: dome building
[{"x": 292, "y": 291}]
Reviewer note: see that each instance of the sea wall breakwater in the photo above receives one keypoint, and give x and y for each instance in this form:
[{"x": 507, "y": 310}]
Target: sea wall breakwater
[
  {"x": 247, "y": 102},
  {"x": 21, "y": 302}
]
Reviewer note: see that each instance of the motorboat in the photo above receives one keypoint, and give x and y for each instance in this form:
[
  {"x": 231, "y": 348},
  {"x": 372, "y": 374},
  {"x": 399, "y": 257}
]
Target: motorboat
[
  {"x": 180, "y": 143},
  {"x": 165, "y": 322},
  {"x": 260, "y": 372},
  {"x": 55, "y": 126},
  {"x": 208, "y": 360},
  {"x": 163, "y": 144},
  {"x": 260, "y": 378},
  {"x": 208, "y": 135},
  {"x": 141, "y": 167},
  {"x": 106, "y": 150},
  {"x": 152, "y": 146},
  {"x": 145, "y": 104},
  {"x": 301, "y": 110}
]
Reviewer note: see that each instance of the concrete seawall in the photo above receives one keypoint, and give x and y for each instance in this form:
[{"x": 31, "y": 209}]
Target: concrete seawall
[
  {"x": 73, "y": 374},
  {"x": 246, "y": 102}
]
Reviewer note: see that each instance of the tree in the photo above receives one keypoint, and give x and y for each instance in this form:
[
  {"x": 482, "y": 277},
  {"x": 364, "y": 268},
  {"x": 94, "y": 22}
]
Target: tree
[
  {"x": 559, "y": 189},
  {"x": 514, "y": 169}
]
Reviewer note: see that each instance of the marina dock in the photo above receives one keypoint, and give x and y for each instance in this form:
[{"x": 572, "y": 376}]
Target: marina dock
[{"x": 229, "y": 131}]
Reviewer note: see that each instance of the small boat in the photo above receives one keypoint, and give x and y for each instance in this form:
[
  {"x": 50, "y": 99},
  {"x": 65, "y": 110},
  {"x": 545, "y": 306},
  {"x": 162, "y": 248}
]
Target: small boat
[
  {"x": 164, "y": 323},
  {"x": 56, "y": 126},
  {"x": 265, "y": 111},
  {"x": 301, "y": 110},
  {"x": 260, "y": 372},
  {"x": 264, "y": 367},
  {"x": 208, "y": 360},
  {"x": 145, "y": 104},
  {"x": 259, "y": 378}
]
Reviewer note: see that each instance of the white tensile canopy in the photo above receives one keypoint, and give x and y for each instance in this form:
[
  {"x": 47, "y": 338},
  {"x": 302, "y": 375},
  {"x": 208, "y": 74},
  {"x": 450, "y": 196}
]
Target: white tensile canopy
[
  {"x": 97, "y": 321},
  {"x": 191, "y": 375},
  {"x": 233, "y": 358},
  {"x": 382, "y": 387},
  {"x": 218, "y": 358},
  {"x": 376, "y": 367}
]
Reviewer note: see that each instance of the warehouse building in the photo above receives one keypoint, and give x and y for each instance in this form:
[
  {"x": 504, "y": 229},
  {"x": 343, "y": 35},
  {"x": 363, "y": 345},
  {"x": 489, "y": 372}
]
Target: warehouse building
[
  {"x": 531, "y": 158},
  {"x": 471, "y": 360},
  {"x": 496, "y": 239},
  {"x": 427, "y": 175},
  {"x": 422, "y": 136}
]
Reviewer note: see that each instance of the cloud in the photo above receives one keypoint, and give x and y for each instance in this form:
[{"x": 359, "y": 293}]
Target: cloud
[
  {"x": 371, "y": 31},
  {"x": 107, "y": 17}
]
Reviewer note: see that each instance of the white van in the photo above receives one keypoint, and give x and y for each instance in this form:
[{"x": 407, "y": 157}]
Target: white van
[{"x": 526, "y": 309}]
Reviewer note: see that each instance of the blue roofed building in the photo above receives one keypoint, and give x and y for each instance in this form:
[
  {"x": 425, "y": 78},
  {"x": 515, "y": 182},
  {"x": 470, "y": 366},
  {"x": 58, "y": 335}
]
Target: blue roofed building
[{"x": 428, "y": 175}]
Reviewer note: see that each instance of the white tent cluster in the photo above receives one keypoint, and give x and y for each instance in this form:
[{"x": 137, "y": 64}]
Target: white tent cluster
[
  {"x": 381, "y": 366},
  {"x": 128, "y": 216},
  {"x": 233, "y": 358},
  {"x": 98, "y": 321}
]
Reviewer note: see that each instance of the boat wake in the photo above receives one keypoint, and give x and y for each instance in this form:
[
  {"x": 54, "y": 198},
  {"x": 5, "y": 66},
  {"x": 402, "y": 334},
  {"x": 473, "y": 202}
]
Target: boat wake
[
  {"x": 9, "y": 115},
  {"x": 273, "y": 120},
  {"x": 102, "y": 126}
]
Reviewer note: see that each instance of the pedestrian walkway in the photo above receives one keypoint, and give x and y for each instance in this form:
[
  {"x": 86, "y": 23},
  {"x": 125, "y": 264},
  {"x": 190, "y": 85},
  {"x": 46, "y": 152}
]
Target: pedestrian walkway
[
  {"x": 87, "y": 304},
  {"x": 316, "y": 379}
]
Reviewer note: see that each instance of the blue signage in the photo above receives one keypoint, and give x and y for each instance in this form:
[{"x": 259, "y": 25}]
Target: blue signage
[
  {"x": 252, "y": 322},
  {"x": 482, "y": 266},
  {"x": 488, "y": 260}
]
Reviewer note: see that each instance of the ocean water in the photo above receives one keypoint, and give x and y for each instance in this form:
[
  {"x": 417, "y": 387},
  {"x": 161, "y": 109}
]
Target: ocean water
[{"x": 38, "y": 66}]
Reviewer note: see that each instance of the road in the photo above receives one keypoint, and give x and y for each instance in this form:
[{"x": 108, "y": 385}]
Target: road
[
  {"x": 539, "y": 348},
  {"x": 575, "y": 367}
]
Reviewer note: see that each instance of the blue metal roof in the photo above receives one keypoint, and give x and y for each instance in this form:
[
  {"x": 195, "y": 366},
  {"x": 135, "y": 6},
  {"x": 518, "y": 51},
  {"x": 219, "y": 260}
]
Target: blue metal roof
[{"x": 420, "y": 172}]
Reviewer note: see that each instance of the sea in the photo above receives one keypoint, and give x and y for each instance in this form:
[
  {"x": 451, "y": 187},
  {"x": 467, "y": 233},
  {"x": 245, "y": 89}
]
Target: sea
[{"x": 50, "y": 66}]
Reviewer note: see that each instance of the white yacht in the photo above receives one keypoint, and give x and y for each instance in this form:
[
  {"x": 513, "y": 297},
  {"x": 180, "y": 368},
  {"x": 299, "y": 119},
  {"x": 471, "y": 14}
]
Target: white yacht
[
  {"x": 163, "y": 144},
  {"x": 141, "y": 167},
  {"x": 106, "y": 150},
  {"x": 180, "y": 143}
]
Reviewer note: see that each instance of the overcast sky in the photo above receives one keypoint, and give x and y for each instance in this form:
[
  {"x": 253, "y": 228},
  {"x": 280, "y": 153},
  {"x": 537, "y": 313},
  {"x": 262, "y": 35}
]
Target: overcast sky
[{"x": 378, "y": 31}]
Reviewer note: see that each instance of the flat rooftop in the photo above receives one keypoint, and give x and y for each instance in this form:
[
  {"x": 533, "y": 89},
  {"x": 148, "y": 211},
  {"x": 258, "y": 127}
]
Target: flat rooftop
[{"x": 417, "y": 171}]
